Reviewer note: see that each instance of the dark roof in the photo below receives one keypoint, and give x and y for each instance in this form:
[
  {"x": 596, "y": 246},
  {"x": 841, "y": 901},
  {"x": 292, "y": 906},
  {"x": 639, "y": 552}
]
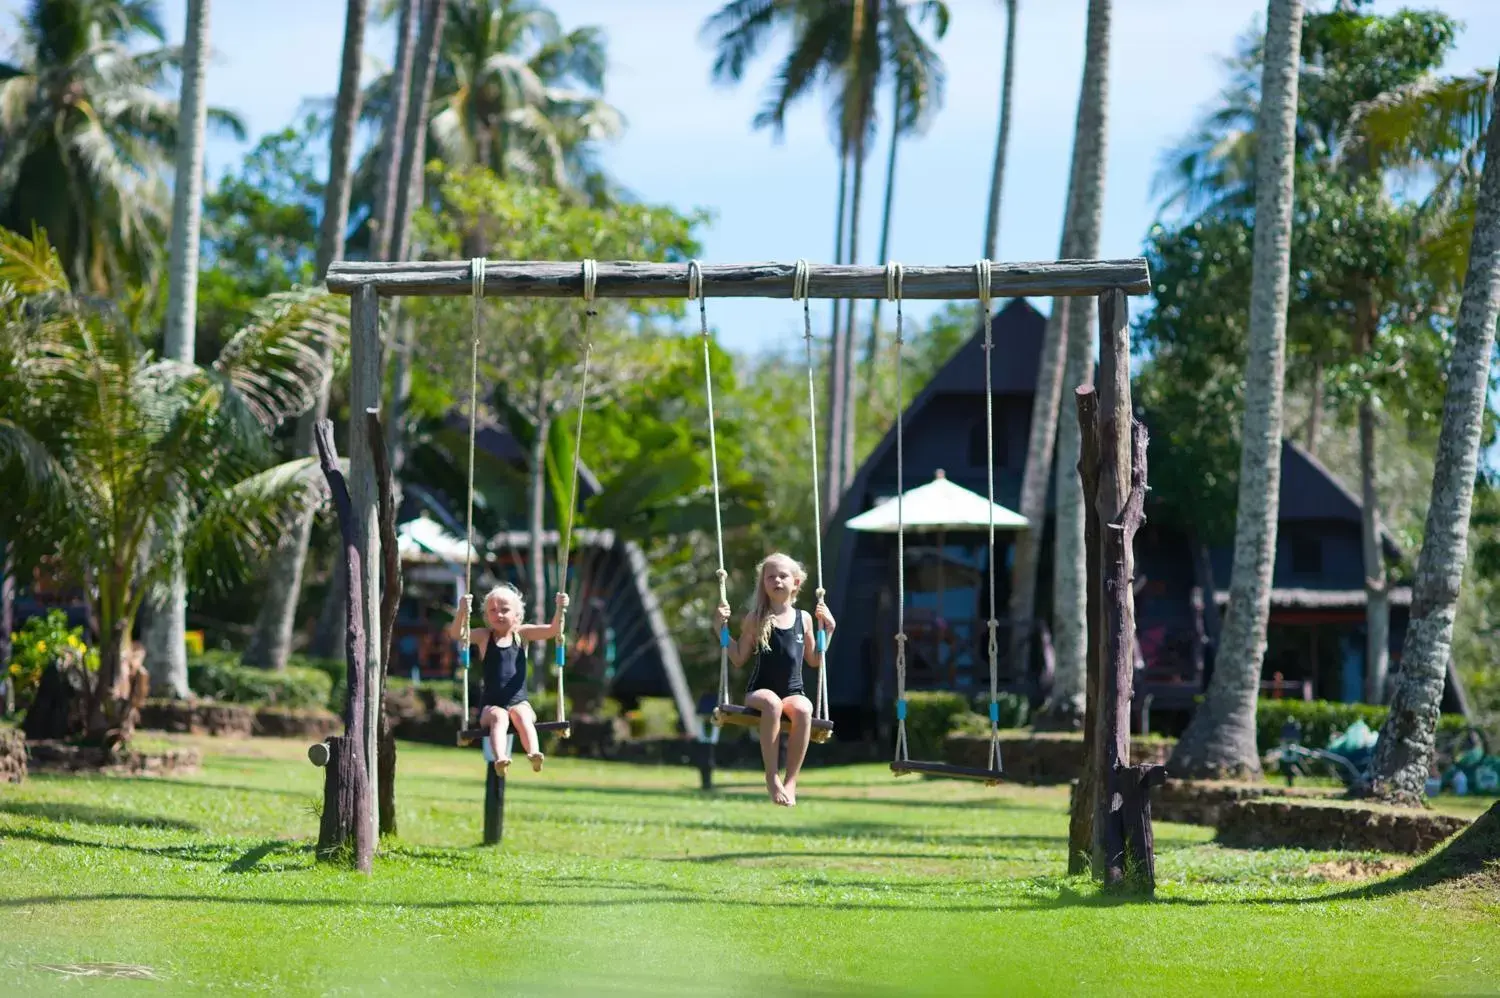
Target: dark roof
[
  {"x": 1309, "y": 491},
  {"x": 1017, "y": 330},
  {"x": 497, "y": 441}
]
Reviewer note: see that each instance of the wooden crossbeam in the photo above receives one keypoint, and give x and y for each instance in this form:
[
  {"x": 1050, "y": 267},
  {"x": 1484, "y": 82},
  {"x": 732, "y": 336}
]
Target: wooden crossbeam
[{"x": 630, "y": 279}]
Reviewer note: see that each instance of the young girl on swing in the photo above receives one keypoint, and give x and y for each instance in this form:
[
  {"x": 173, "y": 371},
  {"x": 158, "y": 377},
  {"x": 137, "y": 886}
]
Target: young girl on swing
[
  {"x": 781, "y": 638},
  {"x": 500, "y": 648}
]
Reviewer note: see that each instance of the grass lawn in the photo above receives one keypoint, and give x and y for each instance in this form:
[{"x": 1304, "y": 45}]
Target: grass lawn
[{"x": 627, "y": 879}]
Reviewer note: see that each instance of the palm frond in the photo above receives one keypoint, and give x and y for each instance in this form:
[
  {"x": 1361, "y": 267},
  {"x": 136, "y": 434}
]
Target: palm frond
[
  {"x": 31, "y": 266},
  {"x": 738, "y": 31},
  {"x": 279, "y": 361},
  {"x": 25, "y": 458},
  {"x": 235, "y": 530},
  {"x": 1433, "y": 118}
]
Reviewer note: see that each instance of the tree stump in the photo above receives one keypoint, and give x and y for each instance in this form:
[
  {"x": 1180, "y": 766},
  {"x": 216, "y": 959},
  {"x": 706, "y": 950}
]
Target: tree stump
[{"x": 343, "y": 782}]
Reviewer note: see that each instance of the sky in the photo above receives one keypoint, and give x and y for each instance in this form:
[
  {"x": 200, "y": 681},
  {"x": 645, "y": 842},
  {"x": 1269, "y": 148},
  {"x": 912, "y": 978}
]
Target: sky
[{"x": 689, "y": 144}]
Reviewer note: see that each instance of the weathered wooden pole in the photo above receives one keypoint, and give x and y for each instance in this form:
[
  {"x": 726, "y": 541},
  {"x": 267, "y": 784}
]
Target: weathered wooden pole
[
  {"x": 390, "y": 600},
  {"x": 364, "y": 394},
  {"x": 1081, "y": 852},
  {"x": 1122, "y": 818},
  {"x": 494, "y": 806},
  {"x": 346, "y": 790}
]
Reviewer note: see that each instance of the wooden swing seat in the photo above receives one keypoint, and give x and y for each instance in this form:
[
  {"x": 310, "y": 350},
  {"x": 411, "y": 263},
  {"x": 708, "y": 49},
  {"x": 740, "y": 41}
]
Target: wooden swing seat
[
  {"x": 471, "y": 736},
  {"x": 749, "y": 717},
  {"x": 990, "y": 777}
]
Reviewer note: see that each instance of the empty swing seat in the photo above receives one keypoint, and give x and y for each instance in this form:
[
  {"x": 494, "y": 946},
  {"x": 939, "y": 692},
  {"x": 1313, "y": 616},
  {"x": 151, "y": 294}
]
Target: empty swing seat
[
  {"x": 469, "y": 736},
  {"x": 990, "y": 777},
  {"x": 749, "y": 717}
]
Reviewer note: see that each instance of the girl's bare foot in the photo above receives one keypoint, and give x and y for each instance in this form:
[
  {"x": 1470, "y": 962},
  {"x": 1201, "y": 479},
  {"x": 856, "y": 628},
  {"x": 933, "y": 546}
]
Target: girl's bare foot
[
  {"x": 536, "y": 761},
  {"x": 777, "y": 791},
  {"x": 790, "y": 788},
  {"x": 501, "y": 765}
]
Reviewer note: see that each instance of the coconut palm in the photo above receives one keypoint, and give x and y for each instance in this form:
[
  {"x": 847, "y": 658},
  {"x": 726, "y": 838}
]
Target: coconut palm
[
  {"x": 1002, "y": 137},
  {"x": 1221, "y": 736},
  {"x": 132, "y": 441},
  {"x": 519, "y": 95},
  {"x": 86, "y": 135}
]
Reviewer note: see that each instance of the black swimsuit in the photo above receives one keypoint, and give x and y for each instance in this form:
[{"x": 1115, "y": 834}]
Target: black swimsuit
[
  {"x": 504, "y": 675},
  {"x": 779, "y": 669}
]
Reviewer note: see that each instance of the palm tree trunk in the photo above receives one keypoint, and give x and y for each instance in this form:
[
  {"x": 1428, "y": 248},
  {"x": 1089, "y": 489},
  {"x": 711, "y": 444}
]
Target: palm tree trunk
[
  {"x": 846, "y": 408},
  {"x": 1377, "y": 600},
  {"x": 872, "y": 344},
  {"x": 832, "y": 446},
  {"x": 392, "y": 152},
  {"x": 271, "y": 641},
  {"x": 7, "y": 619},
  {"x": 414, "y": 146},
  {"x": 1220, "y": 739},
  {"x": 1002, "y": 140},
  {"x": 166, "y": 619},
  {"x": 1065, "y": 362},
  {"x": 1406, "y": 745}
]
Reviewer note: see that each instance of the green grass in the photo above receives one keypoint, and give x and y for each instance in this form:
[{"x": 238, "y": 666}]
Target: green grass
[{"x": 626, "y": 879}]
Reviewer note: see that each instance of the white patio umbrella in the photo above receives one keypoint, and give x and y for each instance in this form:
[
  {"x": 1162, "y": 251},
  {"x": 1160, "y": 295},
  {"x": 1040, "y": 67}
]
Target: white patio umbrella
[
  {"x": 936, "y": 508},
  {"x": 422, "y": 536}
]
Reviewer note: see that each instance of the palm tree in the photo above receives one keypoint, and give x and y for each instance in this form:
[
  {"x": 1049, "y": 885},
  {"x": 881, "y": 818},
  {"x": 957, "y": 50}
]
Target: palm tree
[
  {"x": 1220, "y": 739},
  {"x": 520, "y": 96},
  {"x": 85, "y": 134},
  {"x": 392, "y": 146},
  {"x": 271, "y": 642},
  {"x": 1451, "y": 122},
  {"x": 128, "y": 440},
  {"x": 917, "y": 83},
  {"x": 1002, "y": 138},
  {"x": 166, "y": 619},
  {"x": 1065, "y": 359}
]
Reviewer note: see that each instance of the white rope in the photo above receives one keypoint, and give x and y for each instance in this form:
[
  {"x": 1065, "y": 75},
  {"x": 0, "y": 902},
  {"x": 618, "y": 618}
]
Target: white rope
[
  {"x": 982, "y": 273},
  {"x": 801, "y": 281},
  {"x": 695, "y": 291},
  {"x": 893, "y": 278},
  {"x": 590, "y": 276},
  {"x": 476, "y": 290}
]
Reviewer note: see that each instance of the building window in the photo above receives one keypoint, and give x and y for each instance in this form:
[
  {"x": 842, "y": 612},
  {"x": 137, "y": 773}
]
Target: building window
[
  {"x": 976, "y": 446},
  {"x": 1307, "y": 555}
]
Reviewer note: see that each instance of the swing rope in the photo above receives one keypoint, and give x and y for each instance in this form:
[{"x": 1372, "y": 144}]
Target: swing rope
[
  {"x": 565, "y": 544},
  {"x": 893, "y": 278},
  {"x": 476, "y": 291},
  {"x": 695, "y": 291},
  {"x": 801, "y": 282},
  {"x": 982, "y": 271}
]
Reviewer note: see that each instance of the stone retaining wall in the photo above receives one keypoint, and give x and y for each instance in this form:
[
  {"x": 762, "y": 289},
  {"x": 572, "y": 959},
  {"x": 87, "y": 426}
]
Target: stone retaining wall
[
  {"x": 60, "y": 757},
  {"x": 201, "y": 717},
  {"x": 1252, "y": 824},
  {"x": 313, "y": 725},
  {"x": 1201, "y": 802},
  {"x": 1043, "y": 758}
]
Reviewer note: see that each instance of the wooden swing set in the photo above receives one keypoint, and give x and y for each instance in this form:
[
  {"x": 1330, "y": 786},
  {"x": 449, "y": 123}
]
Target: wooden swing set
[{"x": 1116, "y": 442}]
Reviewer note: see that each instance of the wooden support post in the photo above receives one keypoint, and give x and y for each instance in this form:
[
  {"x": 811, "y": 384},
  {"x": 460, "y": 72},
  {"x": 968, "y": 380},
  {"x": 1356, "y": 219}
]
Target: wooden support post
[
  {"x": 346, "y": 787},
  {"x": 364, "y": 394},
  {"x": 390, "y": 600},
  {"x": 1120, "y": 507},
  {"x": 706, "y": 764},
  {"x": 1081, "y": 853},
  {"x": 494, "y": 806}
]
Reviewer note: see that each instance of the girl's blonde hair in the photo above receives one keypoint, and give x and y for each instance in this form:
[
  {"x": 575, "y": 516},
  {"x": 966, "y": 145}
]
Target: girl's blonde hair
[
  {"x": 760, "y": 607},
  {"x": 506, "y": 589}
]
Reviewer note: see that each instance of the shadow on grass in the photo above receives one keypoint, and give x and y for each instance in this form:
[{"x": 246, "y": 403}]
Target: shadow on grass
[
  {"x": 233, "y": 855},
  {"x": 733, "y": 857},
  {"x": 91, "y": 814}
]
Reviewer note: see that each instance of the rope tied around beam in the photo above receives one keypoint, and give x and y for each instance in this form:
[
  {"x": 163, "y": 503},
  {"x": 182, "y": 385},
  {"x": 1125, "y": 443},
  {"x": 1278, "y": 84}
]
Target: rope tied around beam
[
  {"x": 983, "y": 273},
  {"x": 893, "y": 280},
  {"x": 695, "y": 292},
  {"x": 802, "y": 289}
]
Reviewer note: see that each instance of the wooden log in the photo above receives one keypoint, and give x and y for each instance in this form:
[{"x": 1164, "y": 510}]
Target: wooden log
[
  {"x": 364, "y": 394},
  {"x": 1140, "y": 846},
  {"x": 390, "y": 600},
  {"x": 346, "y": 785},
  {"x": 1081, "y": 853},
  {"x": 494, "y": 806},
  {"x": 631, "y": 279},
  {"x": 319, "y": 753},
  {"x": 706, "y": 764}
]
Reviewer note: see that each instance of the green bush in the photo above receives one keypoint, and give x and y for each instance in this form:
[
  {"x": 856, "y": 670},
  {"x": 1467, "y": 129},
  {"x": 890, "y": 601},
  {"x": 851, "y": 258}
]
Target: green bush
[
  {"x": 930, "y": 715},
  {"x": 653, "y": 717},
  {"x": 43, "y": 641},
  {"x": 1321, "y": 720},
  {"x": 219, "y": 676}
]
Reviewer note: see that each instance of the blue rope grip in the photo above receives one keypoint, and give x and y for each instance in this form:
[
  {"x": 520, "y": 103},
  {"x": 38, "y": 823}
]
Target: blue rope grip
[
  {"x": 994, "y": 712},
  {"x": 900, "y": 710},
  {"x": 463, "y": 657},
  {"x": 822, "y": 641},
  {"x": 562, "y": 655},
  {"x": 724, "y": 637}
]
